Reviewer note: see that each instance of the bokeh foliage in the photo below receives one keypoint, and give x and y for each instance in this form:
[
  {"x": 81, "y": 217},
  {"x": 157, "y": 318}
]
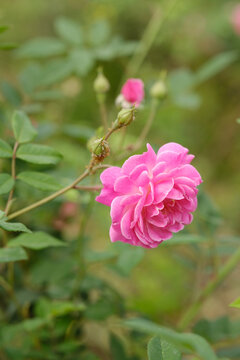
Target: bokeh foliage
[{"x": 73, "y": 296}]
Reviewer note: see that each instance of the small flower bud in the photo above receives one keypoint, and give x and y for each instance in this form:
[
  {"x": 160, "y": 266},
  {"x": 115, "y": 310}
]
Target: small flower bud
[
  {"x": 125, "y": 117},
  {"x": 101, "y": 84},
  {"x": 159, "y": 90},
  {"x": 100, "y": 149}
]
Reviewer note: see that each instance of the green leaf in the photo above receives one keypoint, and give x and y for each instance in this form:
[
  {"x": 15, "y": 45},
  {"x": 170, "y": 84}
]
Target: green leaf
[
  {"x": 14, "y": 254},
  {"x": 79, "y": 132},
  {"x": 185, "y": 342},
  {"x": 15, "y": 227},
  {"x": 99, "y": 33},
  {"x": 236, "y": 303},
  {"x": 117, "y": 349},
  {"x": 69, "y": 30},
  {"x": 41, "y": 47},
  {"x": 169, "y": 351},
  {"x": 187, "y": 100},
  {"x": 238, "y": 121},
  {"x": 38, "y": 154},
  {"x": 30, "y": 77},
  {"x": 155, "y": 349},
  {"x": 47, "y": 95},
  {"x": 129, "y": 257},
  {"x": 11, "y": 94},
  {"x": 56, "y": 71},
  {"x": 36, "y": 241},
  {"x": 100, "y": 310},
  {"x": 181, "y": 239},
  {"x": 47, "y": 309},
  {"x": 5, "y": 149},
  {"x": 39, "y": 180},
  {"x": 215, "y": 65},
  {"x": 82, "y": 61},
  {"x": 22, "y": 127},
  {"x": 6, "y": 183},
  {"x": 33, "y": 324}
]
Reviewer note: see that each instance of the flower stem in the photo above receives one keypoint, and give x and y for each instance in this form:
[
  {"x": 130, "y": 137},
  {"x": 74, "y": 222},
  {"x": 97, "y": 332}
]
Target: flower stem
[
  {"x": 50, "y": 197},
  {"x": 88, "y": 188},
  {"x": 91, "y": 168},
  {"x": 103, "y": 113},
  {"x": 8, "y": 204},
  {"x": 148, "y": 38},
  {"x": 190, "y": 314},
  {"x": 148, "y": 124}
]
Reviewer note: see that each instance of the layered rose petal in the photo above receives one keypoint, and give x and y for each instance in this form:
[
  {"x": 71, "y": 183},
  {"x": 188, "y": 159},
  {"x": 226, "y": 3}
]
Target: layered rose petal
[{"x": 151, "y": 196}]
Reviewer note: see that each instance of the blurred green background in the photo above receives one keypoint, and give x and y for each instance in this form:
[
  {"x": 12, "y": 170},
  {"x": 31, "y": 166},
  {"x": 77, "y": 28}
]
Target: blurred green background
[{"x": 203, "y": 120}]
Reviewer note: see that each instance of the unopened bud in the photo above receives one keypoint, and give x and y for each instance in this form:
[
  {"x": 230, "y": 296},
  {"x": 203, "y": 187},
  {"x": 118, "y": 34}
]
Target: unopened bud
[
  {"x": 159, "y": 90},
  {"x": 101, "y": 84},
  {"x": 125, "y": 117},
  {"x": 100, "y": 149}
]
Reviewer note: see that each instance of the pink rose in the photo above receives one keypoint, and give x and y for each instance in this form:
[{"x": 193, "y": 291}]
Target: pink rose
[
  {"x": 151, "y": 196},
  {"x": 132, "y": 93},
  {"x": 236, "y": 19}
]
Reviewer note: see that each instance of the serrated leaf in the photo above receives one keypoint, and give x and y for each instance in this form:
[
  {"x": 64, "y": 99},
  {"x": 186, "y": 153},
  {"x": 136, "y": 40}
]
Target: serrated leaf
[
  {"x": 6, "y": 183},
  {"x": 38, "y": 154},
  {"x": 36, "y": 241},
  {"x": 185, "y": 342},
  {"x": 39, "y": 180},
  {"x": 15, "y": 227},
  {"x": 14, "y": 254},
  {"x": 22, "y": 127},
  {"x": 236, "y": 303},
  {"x": 69, "y": 30},
  {"x": 5, "y": 149},
  {"x": 41, "y": 47},
  {"x": 82, "y": 61},
  {"x": 155, "y": 349}
]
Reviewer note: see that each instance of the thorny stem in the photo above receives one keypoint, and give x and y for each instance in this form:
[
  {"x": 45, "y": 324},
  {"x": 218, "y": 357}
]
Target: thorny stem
[
  {"x": 91, "y": 168},
  {"x": 190, "y": 314},
  {"x": 8, "y": 204},
  {"x": 148, "y": 38}
]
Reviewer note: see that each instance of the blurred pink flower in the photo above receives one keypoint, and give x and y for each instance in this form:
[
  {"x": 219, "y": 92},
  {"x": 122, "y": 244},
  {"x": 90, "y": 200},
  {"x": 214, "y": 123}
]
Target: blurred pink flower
[
  {"x": 236, "y": 19},
  {"x": 151, "y": 196},
  {"x": 68, "y": 209},
  {"x": 132, "y": 92}
]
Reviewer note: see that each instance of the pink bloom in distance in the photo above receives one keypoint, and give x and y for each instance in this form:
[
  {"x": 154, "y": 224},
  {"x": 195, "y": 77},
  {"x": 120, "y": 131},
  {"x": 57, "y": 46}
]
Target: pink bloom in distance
[
  {"x": 236, "y": 19},
  {"x": 132, "y": 92},
  {"x": 151, "y": 195}
]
